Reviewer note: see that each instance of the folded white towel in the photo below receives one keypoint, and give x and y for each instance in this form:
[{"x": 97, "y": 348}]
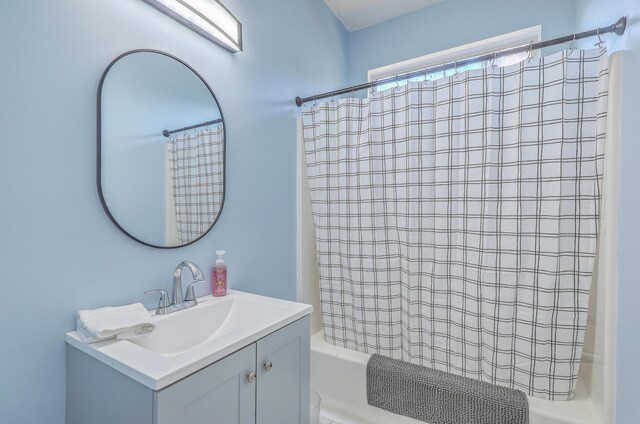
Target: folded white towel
[{"x": 126, "y": 322}]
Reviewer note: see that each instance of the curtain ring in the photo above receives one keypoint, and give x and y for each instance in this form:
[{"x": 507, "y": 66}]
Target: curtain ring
[
  {"x": 397, "y": 83},
  {"x": 571, "y": 48},
  {"x": 493, "y": 62},
  {"x": 457, "y": 75},
  {"x": 530, "y": 54},
  {"x": 600, "y": 42},
  {"x": 315, "y": 101}
]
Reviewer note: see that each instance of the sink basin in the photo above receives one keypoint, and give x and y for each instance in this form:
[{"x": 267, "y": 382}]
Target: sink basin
[
  {"x": 191, "y": 327},
  {"x": 188, "y": 340}
]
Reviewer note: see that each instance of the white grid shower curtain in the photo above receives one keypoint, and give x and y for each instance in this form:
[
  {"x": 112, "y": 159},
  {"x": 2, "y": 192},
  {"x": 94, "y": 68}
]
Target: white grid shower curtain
[
  {"x": 456, "y": 219},
  {"x": 196, "y": 162}
]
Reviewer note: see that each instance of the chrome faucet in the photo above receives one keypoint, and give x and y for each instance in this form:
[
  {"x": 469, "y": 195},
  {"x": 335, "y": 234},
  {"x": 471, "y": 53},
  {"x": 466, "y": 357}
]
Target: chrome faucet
[
  {"x": 178, "y": 299},
  {"x": 179, "y": 302}
]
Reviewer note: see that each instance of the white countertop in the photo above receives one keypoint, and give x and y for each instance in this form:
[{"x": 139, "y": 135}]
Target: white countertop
[{"x": 251, "y": 318}]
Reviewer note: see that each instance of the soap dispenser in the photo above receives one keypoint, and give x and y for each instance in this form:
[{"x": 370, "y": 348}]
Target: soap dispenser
[{"x": 219, "y": 288}]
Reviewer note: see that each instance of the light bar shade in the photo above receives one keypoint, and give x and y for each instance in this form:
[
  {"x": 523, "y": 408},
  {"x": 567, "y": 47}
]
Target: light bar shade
[{"x": 208, "y": 18}]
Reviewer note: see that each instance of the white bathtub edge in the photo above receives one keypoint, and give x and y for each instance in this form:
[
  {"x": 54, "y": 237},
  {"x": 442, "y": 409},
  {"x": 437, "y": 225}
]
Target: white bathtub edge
[{"x": 338, "y": 375}]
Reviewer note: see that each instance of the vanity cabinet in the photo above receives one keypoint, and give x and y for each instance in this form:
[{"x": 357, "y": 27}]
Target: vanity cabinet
[
  {"x": 220, "y": 393},
  {"x": 282, "y": 392},
  {"x": 266, "y": 382}
]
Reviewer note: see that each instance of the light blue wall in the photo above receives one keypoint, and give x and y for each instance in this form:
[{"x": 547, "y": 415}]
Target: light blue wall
[
  {"x": 452, "y": 23},
  {"x": 58, "y": 250},
  {"x": 593, "y": 13}
]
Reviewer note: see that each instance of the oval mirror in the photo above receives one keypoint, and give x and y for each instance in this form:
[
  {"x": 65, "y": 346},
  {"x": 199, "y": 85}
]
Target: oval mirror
[{"x": 161, "y": 149}]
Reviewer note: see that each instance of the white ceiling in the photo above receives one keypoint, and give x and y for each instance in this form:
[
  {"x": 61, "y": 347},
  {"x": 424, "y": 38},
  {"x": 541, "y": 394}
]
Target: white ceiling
[{"x": 358, "y": 14}]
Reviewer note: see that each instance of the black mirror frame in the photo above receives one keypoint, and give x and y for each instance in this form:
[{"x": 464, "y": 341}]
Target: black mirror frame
[{"x": 99, "y": 148}]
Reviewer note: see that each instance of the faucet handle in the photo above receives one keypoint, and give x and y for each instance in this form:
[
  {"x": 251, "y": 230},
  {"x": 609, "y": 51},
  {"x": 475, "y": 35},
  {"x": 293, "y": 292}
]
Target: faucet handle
[
  {"x": 191, "y": 296},
  {"x": 164, "y": 304}
]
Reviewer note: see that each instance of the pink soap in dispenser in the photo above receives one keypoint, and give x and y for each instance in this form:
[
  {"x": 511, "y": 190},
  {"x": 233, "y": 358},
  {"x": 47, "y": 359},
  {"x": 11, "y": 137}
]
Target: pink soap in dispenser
[{"x": 219, "y": 288}]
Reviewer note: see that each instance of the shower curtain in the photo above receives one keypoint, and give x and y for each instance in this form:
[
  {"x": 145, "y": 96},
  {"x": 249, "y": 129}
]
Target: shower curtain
[
  {"x": 456, "y": 219},
  {"x": 196, "y": 167}
]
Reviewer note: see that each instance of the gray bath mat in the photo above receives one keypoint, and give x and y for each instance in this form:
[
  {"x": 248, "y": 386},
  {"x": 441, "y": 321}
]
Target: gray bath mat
[{"x": 437, "y": 397}]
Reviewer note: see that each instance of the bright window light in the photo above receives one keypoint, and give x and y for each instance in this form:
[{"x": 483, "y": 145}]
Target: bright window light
[
  {"x": 209, "y": 18},
  {"x": 430, "y": 76},
  {"x": 504, "y": 42}
]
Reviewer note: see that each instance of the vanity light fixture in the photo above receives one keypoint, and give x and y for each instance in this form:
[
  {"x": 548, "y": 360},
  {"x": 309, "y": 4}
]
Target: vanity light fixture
[{"x": 208, "y": 18}]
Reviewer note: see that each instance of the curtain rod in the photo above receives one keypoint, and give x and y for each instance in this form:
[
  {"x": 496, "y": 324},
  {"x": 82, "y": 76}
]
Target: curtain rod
[
  {"x": 167, "y": 133},
  {"x": 616, "y": 28}
]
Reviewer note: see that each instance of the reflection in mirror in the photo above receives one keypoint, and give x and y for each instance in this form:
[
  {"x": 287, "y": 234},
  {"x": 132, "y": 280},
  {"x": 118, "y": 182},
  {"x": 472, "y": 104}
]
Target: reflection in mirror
[{"x": 161, "y": 144}]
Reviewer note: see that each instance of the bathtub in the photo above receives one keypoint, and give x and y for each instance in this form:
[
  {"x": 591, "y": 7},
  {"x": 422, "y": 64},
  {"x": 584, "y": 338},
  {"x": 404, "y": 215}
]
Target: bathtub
[{"x": 339, "y": 375}]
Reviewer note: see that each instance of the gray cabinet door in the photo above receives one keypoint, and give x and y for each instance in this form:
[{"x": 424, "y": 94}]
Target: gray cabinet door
[
  {"x": 283, "y": 388},
  {"x": 218, "y": 394}
]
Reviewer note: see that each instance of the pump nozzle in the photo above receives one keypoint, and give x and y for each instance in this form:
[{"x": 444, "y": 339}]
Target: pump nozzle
[{"x": 220, "y": 261}]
